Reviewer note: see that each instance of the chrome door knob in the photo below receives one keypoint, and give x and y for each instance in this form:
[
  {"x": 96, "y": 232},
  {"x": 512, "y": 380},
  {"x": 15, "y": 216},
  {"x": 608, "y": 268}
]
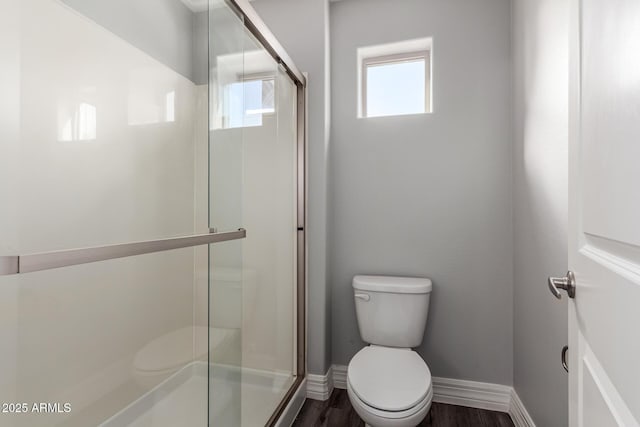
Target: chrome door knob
[{"x": 567, "y": 283}]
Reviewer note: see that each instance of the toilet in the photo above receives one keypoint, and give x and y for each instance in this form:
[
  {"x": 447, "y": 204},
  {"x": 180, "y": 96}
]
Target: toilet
[{"x": 388, "y": 384}]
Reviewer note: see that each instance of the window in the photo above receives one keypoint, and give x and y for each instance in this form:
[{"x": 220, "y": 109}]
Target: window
[
  {"x": 395, "y": 79},
  {"x": 248, "y": 101}
]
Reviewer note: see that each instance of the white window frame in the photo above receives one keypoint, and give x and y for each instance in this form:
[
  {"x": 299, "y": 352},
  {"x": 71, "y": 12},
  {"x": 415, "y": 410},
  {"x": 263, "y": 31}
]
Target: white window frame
[{"x": 398, "y": 58}]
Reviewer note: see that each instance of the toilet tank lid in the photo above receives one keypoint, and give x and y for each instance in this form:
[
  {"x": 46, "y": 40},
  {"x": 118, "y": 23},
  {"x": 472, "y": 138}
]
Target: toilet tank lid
[{"x": 392, "y": 284}]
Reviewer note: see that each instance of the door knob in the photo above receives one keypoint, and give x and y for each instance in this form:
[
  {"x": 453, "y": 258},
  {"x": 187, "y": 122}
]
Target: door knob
[{"x": 567, "y": 283}]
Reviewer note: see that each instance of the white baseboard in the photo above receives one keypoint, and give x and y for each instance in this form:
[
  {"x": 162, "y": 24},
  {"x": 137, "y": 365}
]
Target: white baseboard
[
  {"x": 518, "y": 412},
  {"x": 340, "y": 376},
  {"x": 319, "y": 387},
  {"x": 472, "y": 394}
]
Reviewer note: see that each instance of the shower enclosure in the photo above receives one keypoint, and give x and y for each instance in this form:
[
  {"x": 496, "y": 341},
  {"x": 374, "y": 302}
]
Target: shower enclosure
[{"x": 152, "y": 241}]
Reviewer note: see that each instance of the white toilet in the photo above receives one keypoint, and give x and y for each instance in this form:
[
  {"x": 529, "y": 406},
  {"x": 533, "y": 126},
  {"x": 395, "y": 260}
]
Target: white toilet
[{"x": 389, "y": 385}]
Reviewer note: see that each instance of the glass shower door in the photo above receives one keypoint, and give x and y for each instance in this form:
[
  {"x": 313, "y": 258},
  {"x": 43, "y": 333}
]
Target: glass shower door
[
  {"x": 270, "y": 249},
  {"x": 253, "y": 185},
  {"x": 115, "y": 165}
]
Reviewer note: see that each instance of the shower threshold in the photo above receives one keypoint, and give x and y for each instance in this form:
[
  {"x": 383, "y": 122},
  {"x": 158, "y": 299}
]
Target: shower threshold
[{"x": 239, "y": 397}]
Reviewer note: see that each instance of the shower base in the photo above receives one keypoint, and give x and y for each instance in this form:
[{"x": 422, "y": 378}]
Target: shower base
[{"x": 244, "y": 397}]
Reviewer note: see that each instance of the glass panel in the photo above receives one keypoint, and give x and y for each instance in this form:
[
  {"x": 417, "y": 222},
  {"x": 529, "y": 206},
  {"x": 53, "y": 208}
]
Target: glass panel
[
  {"x": 253, "y": 186},
  {"x": 396, "y": 88},
  {"x": 225, "y": 264},
  {"x": 269, "y": 256}
]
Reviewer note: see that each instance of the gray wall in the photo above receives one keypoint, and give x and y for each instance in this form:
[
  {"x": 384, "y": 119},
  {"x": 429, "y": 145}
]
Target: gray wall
[
  {"x": 302, "y": 27},
  {"x": 161, "y": 28},
  {"x": 429, "y": 195},
  {"x": 540, "y": 51}
]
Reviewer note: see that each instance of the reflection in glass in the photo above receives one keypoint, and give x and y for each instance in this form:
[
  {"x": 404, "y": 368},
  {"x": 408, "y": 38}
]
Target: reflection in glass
[
  {"x": 170, "y": 107},
  {"x": 247, "y": 101},
  {"x": 151, "y": 98},
  {"x": 78, "y": 123}
]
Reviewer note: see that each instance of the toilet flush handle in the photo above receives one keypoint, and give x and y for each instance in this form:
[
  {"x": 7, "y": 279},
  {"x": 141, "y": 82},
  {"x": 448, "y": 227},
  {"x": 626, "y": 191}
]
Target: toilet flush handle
[{"x": 364, "y": 297}]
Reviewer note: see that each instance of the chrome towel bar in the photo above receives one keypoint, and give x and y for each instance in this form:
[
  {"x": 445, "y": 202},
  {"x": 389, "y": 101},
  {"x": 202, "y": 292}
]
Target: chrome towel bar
[{"x": 16, "y": 264}]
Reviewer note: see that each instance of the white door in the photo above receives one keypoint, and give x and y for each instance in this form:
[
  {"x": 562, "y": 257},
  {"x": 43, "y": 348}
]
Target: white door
[{"x": 604, "y": 213}]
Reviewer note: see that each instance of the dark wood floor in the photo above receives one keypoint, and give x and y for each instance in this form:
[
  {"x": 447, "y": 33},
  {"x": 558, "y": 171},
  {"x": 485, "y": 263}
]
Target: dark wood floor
[{"x": 337, "y": 412}]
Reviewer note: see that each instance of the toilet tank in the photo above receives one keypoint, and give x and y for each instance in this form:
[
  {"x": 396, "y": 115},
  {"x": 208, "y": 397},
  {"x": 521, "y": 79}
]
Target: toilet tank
[{"x": 392, "y": 311}]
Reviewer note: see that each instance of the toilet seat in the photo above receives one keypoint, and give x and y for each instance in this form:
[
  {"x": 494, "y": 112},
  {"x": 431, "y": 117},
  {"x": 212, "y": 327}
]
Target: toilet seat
[
  {"x": 393, "y": 381},
  {"x": 417, "y": 411}
]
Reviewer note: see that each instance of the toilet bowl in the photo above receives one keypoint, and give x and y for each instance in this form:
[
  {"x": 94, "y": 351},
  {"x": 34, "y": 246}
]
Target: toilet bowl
[
  {"x": 389, "y": 387},
  {"x": 389, "y": 384}
]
